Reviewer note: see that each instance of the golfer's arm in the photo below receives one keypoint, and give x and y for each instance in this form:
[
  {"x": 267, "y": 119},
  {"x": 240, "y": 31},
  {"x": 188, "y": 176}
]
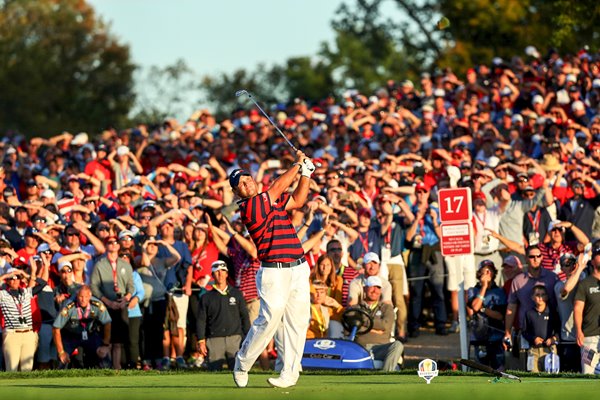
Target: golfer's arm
[{"x": 282, "y": 183}]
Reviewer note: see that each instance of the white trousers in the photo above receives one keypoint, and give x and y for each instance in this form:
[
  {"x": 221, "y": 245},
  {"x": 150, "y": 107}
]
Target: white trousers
[{"x": 284, "y": 299}]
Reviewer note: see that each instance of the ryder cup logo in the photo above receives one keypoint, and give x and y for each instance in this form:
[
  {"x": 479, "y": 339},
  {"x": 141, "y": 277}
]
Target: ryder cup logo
[
  {"x": 428, "y": 370},
  {"x": 325, "y": 344}
]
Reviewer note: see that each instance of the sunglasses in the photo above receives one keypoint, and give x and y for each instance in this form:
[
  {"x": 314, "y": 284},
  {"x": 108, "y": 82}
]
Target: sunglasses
[
  {"x": 112, "y": 242},
  {"x": 532, "y": 256},
  {"x": 335, "y": 250},
  {"x": 72, "y": 234},
  {"x": 103, "y": 228}
]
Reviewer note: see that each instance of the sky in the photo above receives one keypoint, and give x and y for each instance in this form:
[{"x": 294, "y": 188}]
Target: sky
[{"x": 219, "y": 36}]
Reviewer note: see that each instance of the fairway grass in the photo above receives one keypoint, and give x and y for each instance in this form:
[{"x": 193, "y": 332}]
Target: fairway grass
[{"x": 330, "y": 386}]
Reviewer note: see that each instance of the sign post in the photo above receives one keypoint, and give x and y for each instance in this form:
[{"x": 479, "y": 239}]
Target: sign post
[{"x": 457, "y": 241}]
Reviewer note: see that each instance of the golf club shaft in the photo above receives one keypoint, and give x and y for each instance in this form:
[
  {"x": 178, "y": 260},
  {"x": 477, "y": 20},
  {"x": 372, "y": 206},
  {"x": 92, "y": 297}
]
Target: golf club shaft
[{"x": 243, "y": 91}]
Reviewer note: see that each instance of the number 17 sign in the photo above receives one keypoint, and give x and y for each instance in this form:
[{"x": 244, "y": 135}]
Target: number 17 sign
[{"x": 455, "y": 204}]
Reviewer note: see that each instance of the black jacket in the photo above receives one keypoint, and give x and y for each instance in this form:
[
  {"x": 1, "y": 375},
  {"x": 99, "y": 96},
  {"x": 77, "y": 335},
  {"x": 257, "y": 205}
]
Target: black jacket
[{"x": 222, "y": 315}]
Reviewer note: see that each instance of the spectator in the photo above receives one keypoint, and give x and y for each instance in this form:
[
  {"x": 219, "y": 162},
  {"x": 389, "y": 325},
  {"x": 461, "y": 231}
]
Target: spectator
[
  {"x": 564, "y": 290},
  {"x": 379, "y": 339},
  {"x": 19, "y": 341},
  {"x": 323, "y": 310},
  {"x": 222, "y": 320},
  {"x": 425, "y": 259},
  {"x": 356, "y": 291},
  {"x": 112, "y": 283},
  {"x": 83, "y": 323},
  {"x": 153, "y": 271},
  {"x": 488, "y": 303},
  {"x": 540, "y": 330},
  {"x": 520, "y": 299}
]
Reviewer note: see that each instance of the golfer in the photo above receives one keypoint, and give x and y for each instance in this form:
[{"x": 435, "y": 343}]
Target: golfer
[{"x": 282, "y": 280}]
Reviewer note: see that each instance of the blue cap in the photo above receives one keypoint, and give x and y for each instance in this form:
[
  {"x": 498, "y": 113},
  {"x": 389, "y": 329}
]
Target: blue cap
[{"x": 236, "y": 174}]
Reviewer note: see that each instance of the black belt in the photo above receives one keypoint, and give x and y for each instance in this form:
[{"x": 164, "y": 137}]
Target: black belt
[{"x": 290, "y": 264}]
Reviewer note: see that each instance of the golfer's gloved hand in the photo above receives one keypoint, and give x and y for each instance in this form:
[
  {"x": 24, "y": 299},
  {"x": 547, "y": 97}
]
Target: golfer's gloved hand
[{"x": 307, "y": 168}]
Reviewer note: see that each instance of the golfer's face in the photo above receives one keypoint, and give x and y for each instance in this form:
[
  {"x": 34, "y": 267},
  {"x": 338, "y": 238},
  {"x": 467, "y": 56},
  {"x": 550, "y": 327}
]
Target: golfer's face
[{"x": 247, "y": 187}]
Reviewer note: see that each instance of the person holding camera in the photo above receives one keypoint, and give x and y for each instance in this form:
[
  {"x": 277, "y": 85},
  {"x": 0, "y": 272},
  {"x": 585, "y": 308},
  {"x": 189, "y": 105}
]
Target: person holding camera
[
  {"x": 488, "y": 303},
  {"x": 19, "y": 340},
  {"x": 425, "y": 259},
  {"x": 112, "y": 283},
  {"x": 83, "y": 323},
  {"x": 153, "y": 271}
]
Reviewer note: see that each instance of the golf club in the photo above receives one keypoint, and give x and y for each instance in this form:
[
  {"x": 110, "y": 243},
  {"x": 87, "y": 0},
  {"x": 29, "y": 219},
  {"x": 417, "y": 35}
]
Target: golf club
[
  {"x": 245, "y": 92},
  {"x": 488, "y": 369}
]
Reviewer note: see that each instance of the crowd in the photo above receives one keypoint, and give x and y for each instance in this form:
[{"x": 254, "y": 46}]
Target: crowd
[{"x": 125, "y": 248}]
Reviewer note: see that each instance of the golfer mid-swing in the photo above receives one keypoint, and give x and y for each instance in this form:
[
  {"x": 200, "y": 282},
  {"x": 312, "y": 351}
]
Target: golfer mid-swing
[{"x": 283, "y": 279}]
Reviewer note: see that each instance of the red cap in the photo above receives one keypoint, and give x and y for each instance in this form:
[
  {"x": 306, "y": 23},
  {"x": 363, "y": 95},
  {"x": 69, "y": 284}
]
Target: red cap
[
  {"x": 421, "y": 187},
  {"x": 363, "y": 211},
  {"x": 180, "y": 175},
  {"x": 478, "y": 196}
]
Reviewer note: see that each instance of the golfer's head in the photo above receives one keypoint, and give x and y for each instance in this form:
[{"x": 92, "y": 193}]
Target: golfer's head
[{"x": 242, "y": 183}]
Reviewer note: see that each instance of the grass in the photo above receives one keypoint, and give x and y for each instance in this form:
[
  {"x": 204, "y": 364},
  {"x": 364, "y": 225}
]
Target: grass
[{"x": 131, "y": 385}]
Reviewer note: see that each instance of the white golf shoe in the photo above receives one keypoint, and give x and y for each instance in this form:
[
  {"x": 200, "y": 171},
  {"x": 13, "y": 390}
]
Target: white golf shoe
[
  {"x": 280, "y": 383},
  {"x": 240, "y": 377}
]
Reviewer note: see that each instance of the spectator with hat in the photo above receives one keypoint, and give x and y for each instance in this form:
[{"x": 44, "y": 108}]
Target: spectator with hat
[
  {"x": 73, "y": 235},
  {"x": 372, "y": 267},
  {"x": 112, "y": 282},
  {"x": 19, "y": 340},
  {"x": 222, "y": 320},
  {"x": 379, "y": 339}
]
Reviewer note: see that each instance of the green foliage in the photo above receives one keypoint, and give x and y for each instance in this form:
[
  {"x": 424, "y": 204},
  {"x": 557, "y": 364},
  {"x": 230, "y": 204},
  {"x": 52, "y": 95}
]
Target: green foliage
[
  {"x": 483, "y": 29},
  {"x": 60, "y": 68},
  {"x": 170, "y": 91}
]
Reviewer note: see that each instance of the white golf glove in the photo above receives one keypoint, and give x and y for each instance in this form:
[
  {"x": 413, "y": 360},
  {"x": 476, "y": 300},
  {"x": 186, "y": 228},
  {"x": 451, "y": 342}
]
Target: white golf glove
[{"x": 307, "y": 168}]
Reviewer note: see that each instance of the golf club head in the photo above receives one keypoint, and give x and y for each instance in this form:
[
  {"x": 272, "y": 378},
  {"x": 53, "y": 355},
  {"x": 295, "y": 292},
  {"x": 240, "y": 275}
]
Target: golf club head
[{"x": 241, "y": 92}]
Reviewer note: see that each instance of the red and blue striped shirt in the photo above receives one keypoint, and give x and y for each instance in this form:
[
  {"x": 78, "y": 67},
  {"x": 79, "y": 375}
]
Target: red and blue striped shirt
[{"x": 270, "y": 228}]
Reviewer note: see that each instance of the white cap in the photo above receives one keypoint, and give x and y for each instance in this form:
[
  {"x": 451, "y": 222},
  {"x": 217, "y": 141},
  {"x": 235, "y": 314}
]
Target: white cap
[
  {"x": 219, "y": 265},
  {"x": 531, "y": 51},
  {"x": 80, "y": 139},
  {"x": 194, "y": 166},
  {"x": 48, "y": 194},
  {"x": 124, "y": 233},
  {"x": 562, "y": 97},
  {"x": 596, "y": 83},
  {"x": 374, "y": 281},
  {"x": 439, "y": 93},
  {"x": 578, "y": 106},
  {"x": 552, "y": 224},
  {"x": 537, "y": 99},
  {"x": 65, "y": 264},
  {"x": 122, "y": 150},
  {"x": 571, "y": 78},
  {"x": 517, "y": 118},
  {"x": 370, "y": 256}
]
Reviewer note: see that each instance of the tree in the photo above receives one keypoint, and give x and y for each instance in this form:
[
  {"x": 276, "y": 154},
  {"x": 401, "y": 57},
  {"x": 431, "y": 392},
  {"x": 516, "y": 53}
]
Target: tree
[
  {"x": 170, "y": 91},
  {"x": 60, "y": 68}
]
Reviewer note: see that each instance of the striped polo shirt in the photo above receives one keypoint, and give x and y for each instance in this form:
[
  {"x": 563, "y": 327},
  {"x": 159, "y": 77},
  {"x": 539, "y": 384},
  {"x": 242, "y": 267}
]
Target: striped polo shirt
[
  {"x": 270, "y": 228},
  {"x": 245, "y": 270},
  {"x": 16, "y": 308}
]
